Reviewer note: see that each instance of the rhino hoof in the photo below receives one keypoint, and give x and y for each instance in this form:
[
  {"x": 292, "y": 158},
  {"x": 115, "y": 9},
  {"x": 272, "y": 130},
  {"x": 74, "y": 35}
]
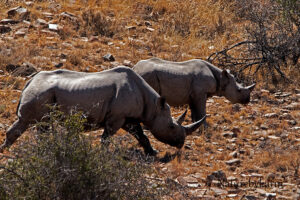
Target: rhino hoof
[
  {"x": 2, "y": 147},
  {"x": 151, "y": 152}
]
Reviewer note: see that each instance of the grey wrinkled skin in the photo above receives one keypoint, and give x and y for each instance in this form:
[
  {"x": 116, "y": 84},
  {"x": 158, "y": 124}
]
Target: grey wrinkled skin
[
  {"x": 113, "y": 99},
  {"x": 191, "y": 82}
]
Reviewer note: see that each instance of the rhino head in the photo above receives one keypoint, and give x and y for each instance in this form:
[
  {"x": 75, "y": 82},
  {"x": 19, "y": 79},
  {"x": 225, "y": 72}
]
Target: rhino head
[
  {"x": 169, "y": 130},
  {"x": 234, "y": 91}
]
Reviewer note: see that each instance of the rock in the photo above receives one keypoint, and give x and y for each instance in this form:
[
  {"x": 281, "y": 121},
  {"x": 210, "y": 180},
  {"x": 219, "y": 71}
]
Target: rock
[
  {"x": 130, "y": 28},
  {"x": 68, "y": 15},
  {"x": 127, "y": 63},
  {"x": 236, "y": 107},
  {"x": 271, "y": 115},
  {"x": 18, "y": 12},
  {"x": 4, "y": 29},
  {"x": 285, "y": 116},
  {"x": 296, "y": 128},
  {"x": 8, "y": 21},
  {"x": 264, "y": 127},
  {"x": 41, "y": 22},
  {"x": 147, "y": 23},
  {"x": 21, "y": 33},
  {"x": 234, "y": 154},
  {"x": 282, "y": 94},
  {"x": 233, "y": 162},
  {"x": 26, "y": 69},
  {"x": 250, "y": 197},
  {"x": 273, "y": 137},
  {"x": 292, "y": 122},
  {"x": 293, "y": 106},
  {"x": 28, "y": 3},
  {"x": 108, "y": 57},
  {"x": 216, "y": 175},
  {"x": 229, "y": 134},
  {"x": 188, "y": 181},
  {"x": 115, "y": 64},
  {"x": 219, "y": 191},
  {"x": 11, "y": 67},
  {"x": 150, "y": 29},
  {"x": 58, "y": 65},
  {"x": 54, "y": 27}
]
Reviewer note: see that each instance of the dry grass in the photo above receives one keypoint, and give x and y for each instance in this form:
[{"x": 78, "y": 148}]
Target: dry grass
[{"x": 173, "y": 30}]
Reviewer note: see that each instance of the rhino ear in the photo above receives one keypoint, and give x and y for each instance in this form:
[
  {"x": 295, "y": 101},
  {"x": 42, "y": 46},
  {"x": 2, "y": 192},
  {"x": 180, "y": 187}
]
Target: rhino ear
[
  {"x": 161, "y": 102},
  {"x": 225, "y": 73}
]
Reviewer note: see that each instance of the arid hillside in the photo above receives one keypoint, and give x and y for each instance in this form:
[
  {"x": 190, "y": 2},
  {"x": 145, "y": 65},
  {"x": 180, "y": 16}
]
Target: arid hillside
[{"x": 256, "y": 146}]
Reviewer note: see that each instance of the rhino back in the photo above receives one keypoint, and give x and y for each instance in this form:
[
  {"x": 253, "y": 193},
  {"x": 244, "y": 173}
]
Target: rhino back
[
  {"x": 97, "y": 94},
  {"x": 177, "y": 81}
]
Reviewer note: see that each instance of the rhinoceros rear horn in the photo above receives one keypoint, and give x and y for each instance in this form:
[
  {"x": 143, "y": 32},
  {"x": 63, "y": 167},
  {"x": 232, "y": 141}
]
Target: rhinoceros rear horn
[
  {"x": 189, "y": 129},
  {"x": 251, "y": 87},
  {"x": 180, "y": 119}
]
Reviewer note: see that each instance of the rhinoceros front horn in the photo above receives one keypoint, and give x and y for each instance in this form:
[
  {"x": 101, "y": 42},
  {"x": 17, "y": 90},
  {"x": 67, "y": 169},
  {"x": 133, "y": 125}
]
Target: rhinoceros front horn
[
  {"x": 189, "y": 129},
  {"x": 180, "y": 119},
  {"x": 251, "y": 87}
]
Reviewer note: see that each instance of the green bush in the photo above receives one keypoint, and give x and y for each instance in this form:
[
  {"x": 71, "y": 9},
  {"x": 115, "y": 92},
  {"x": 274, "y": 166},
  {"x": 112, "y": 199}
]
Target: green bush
[{"x": 62, "y": 163}]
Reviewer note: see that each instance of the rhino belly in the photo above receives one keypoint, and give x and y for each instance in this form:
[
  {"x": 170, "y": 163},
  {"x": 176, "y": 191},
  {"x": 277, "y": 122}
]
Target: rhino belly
[
  {"x": 176, "y": 90},
  {"x": 92, "y": 104}
]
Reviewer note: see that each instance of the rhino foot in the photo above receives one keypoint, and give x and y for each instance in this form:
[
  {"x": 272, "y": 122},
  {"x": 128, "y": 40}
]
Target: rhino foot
[{"x": 151, "y": 152}]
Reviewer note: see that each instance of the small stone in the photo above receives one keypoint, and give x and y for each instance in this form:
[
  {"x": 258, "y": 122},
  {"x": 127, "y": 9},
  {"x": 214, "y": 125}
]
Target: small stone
[
  {"x": 150, "y": 29},
  {"x": 127, "y": 63},
  {"x": 293, "y": 106},
  {"x": 8, "y": 21},
  {"x": 4, "y": 29},
  {"x": 216, "y": 175},
  {"x": 58, "y": 65},
  {"x": 219, "y": 191},
  {"x": 26, "y": 69},
  {"x": 131, "y": 28},
  {"x": 256, "y": 175},
  {"x": 271, "y": 115},
  {"x": 147, "y": 23},
  {"x": 11, "y": 67},
  {"x": 285, "y": 116},
  {"x": 28, "y": 3},
  {"x": 19, "y": 12},
  {"x": 236, "y": 108},
  {"x": 54, "y": 27},
  {"x": 273, "y": 137},
  {"x": 250, "y": 197},
  {"x": 234, "y": 154},
  {"x": 232, "y": 162},
  {"x": 264, "y": 127},
  {"x": 21, "y": 32},
  {"x": 41, "y": 22},
  {"x": 292, "y": 122},
  {"x": 229, "y": 134},
  {"x": 109, "y": 57}
]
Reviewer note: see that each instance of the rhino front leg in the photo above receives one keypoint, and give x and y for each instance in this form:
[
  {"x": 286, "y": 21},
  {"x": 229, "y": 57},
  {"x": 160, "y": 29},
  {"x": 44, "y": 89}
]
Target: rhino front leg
[
  {"x": 198, "y": 108},
  {"x": 13, "y": 133},
  {"x": 111, "y": 127},
  {"x": 136, "y": 130}
]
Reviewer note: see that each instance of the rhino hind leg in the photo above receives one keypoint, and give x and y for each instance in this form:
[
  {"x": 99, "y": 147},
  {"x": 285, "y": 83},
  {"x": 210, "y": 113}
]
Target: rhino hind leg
[
  {"x": 136, "y": 130},
  {"x": 13, "y": 133}
]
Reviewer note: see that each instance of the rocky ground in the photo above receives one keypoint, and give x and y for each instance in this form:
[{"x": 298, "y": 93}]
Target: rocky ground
[{"x": 247, "y": 152}]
